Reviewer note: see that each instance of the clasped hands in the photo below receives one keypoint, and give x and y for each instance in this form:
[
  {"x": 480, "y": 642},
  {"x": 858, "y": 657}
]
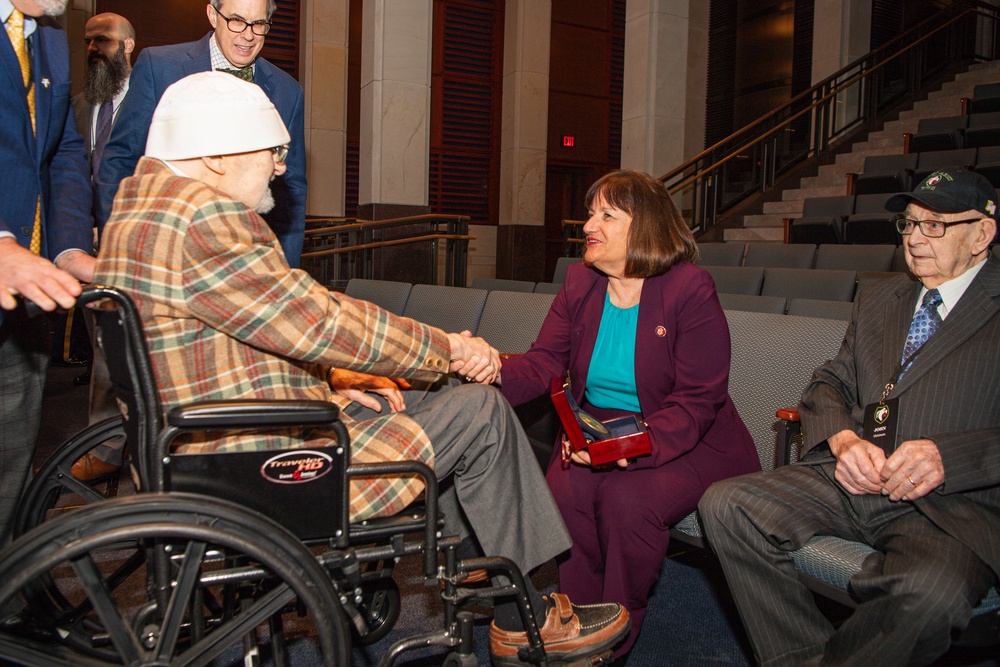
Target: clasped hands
[{"x": 912, "y": 471}]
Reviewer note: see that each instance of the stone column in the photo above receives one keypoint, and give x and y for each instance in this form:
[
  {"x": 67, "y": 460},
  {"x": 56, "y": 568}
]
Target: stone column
[
  {"x": 324, "y": 79},
  {"x": 663, "y": 101},
  {"x": 395, "y": 108},
  {"x": 521, "y": 234},
  {"x": 842, "y": 34}
]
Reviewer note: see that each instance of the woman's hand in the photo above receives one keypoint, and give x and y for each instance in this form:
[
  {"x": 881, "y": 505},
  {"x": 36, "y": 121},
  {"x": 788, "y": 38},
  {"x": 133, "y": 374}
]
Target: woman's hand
[
  {"x": 354, "y": 386},
  {"x": 582, "y": 457}
]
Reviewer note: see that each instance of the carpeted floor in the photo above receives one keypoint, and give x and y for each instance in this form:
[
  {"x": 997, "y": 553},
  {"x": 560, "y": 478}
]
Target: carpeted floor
[{"x": 690, "y": 623}]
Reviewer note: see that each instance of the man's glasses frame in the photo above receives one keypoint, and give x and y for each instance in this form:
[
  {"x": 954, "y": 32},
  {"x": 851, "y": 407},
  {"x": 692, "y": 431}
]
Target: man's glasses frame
[
  {"x": 932, "y": 229},
  {"x": 280, "y": 153},
  {"x": 259, "y": 28}
]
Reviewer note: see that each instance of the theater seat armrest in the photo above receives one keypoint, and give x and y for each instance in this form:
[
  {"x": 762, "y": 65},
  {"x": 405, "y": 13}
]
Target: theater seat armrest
[{"x": 788, "y": 428}]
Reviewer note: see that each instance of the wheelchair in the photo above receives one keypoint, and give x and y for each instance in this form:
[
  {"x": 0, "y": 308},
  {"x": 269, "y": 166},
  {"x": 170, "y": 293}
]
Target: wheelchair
[{"x": 216, "y": 558}]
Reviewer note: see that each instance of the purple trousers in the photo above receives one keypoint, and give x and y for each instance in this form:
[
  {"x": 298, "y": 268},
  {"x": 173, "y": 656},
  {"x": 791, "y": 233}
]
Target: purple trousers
[{"x": 620, "y": 524}]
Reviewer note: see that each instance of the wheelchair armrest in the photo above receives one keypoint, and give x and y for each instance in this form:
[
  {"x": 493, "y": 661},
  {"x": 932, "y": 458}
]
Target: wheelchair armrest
[
  {"x": 430, "y": 499},
  {"x": 208, "y": 415},
  {"x": 787, "y": 430}
]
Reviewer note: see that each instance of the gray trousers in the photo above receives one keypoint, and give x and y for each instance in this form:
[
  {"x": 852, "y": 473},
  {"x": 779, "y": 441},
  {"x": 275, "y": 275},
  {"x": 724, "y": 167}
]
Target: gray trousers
[
  {"x": 918, "y": 586},
  {"x": 24, "y": 359},
  {"x": 493, "y": 486}
]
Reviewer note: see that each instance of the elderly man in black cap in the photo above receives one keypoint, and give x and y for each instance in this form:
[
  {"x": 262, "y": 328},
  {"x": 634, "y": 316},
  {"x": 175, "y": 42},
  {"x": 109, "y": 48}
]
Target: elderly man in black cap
[{"x": 901, "y": 451}]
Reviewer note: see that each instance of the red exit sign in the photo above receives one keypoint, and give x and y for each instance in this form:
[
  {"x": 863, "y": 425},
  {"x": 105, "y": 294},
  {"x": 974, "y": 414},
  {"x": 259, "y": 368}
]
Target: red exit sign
[{"x": 568, "y": 140}]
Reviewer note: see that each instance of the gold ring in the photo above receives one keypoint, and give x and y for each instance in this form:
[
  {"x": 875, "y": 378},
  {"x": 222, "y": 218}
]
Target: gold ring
[{"x": 911, "y": 480}]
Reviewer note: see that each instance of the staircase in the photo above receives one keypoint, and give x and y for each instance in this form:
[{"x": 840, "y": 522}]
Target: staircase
[{"x": 832, "y": 178}]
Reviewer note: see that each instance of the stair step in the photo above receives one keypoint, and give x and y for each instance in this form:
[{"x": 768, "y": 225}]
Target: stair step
[
  {"x": 806, "y": 193},
  {"x": 824, "y": 180},
  {"x": 768, "y": 219},
  {"x": 774, "y": 234},
  {"x": 788, "y": 209}
]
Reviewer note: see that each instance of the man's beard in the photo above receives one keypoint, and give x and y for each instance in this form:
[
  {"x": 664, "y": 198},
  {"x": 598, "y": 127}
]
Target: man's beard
[
  {"x": 266, "y": 202},
  {"x": 106, "y": 80},
  {"x": 52, "y": 7}
]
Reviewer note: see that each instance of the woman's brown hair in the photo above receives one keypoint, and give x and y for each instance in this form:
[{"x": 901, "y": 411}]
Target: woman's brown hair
[{"x": 658, "y": 237}]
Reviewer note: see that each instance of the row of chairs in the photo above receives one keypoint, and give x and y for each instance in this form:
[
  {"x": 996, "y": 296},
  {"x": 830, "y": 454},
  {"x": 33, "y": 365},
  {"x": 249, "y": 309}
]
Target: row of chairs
[
  {"x": 846, "y": 219},
  {"x": 779, "y": 305},
  {"x": 950, "y": 132},
  {"x": 858, "y": 257},
  {"x": 509, "y": 320},
  {"x": 903, "y": 172},
  {"x": 826, "y": 284},
  {"x": 985, "y": 98}
]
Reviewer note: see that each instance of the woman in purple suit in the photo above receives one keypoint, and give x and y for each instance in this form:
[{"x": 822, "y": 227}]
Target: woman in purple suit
[{"x": 639, "y": 329}]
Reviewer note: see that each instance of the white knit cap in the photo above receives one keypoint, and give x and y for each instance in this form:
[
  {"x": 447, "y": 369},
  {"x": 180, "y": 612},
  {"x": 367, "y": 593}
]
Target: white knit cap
[{"x": 213, "y": 113}]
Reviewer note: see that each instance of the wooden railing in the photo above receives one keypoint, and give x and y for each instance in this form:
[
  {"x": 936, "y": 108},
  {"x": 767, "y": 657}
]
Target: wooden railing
[
  {"x": 338, "y": 249},
  {"x": 750, "y": 160}
]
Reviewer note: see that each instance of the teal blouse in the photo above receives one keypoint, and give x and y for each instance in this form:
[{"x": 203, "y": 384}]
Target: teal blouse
[{"x": 611, "y": 377}]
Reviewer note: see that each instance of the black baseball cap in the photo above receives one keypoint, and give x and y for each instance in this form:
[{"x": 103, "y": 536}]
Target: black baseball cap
[{"x": 950, "y": 191}]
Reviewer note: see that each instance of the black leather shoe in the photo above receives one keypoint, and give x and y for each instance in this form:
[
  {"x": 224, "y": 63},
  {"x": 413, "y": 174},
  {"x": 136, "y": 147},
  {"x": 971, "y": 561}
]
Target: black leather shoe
[{"x": 82, "y": 379}]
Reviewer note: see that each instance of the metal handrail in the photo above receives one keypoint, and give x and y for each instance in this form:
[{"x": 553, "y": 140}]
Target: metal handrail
[
  {"x": 707, "y": 176},
  {"x": 338, "y": 249}
]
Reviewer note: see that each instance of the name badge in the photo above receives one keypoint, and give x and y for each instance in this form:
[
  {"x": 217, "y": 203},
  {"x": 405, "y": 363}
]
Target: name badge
[{"x": 880, "y": 424}]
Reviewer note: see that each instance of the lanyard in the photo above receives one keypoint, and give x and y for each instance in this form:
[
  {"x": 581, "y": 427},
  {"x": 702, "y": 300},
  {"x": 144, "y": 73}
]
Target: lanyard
[{"x": 899, "y": 372}]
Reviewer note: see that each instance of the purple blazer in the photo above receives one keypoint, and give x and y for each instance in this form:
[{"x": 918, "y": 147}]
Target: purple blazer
[{"x": 681, "y": 366}]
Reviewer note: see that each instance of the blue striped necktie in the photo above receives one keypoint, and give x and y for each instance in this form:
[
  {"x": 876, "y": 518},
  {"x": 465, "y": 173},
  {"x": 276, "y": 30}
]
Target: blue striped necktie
[{"x": 925, "y": 322}]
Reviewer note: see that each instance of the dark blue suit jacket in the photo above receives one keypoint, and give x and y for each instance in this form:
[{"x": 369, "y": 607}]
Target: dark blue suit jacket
[
  {"x": 51, "y": 163},
  {"x": 158, "y": 67}
]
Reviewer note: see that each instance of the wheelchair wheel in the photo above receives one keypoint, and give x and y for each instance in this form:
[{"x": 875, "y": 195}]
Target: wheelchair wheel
[
  {"x": 169, "y": 579},
  {"x": 53, "y": 490},
  {"x": 380, "y": 605}
]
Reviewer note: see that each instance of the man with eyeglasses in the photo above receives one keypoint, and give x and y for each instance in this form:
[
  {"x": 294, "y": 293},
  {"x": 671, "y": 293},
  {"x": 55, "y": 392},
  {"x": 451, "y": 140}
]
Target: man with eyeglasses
[
  {"x": 226, "y": 318},
  {"x": 901, "y": 451},
  {"x": 239, "y": 28}
]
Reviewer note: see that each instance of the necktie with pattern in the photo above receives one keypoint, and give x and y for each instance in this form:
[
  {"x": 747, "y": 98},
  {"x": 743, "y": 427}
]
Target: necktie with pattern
[
  {"x": 245, "y": 73},
  {"x": 925, "y": 322},
  {"x": 15, "y": 31},
  {"x": 104, "y": 115}
]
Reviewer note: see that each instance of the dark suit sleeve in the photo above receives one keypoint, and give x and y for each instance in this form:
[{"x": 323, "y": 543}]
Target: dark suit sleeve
[
  {"x": 829, "y": 402},
  {"x": 295, "y": 178},
  {"x": 127, "y": 142},
  {"x": 68, "y": 221}
]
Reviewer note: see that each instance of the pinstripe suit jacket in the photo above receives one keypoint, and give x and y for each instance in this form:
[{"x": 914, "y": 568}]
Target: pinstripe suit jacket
[
  {"x": 951, "y": 394},
  {"x": 226, "y": 318}
]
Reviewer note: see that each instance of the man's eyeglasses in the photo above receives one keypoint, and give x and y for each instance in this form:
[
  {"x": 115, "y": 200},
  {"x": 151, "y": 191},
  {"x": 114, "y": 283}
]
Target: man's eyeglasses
[
  {"x": 932, "y": 229},
  {"x": 259, "y": 28},
  {"x": 280, "y": 153}
]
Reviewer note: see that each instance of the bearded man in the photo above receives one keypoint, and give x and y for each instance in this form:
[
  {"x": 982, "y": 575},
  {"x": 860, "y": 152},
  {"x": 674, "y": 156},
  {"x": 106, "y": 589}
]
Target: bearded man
[{"x": 110, "y": 40}]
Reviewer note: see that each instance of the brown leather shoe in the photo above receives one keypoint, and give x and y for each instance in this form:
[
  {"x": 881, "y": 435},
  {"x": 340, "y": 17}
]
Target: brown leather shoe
[
  {"x": 90, "y": 468},
  {"x": 571, "y": 632}
]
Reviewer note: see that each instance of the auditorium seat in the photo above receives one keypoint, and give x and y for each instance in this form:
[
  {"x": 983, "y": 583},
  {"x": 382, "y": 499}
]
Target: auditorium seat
[
  {"x": 822, "y": 220},
  {"x": 754, "y": 303},
  {"x": 938, "y": 134},
  {"x": 563, "y": 263},
  {"x": 871, "y": 224},
  {"x": 737, "y": 279},
  {"x": 503, "y": 284},
  {"x": 453, "y": 309},
  {"x": 787, "y": 255},
  {"x": 831, "y": 310},
  {"x": 860, "y": 257},
  {"x": 931, "y": 161},
  {"x": 388, "y": 294},
  {"x": 886, "y": 173},
  {"x": 721, "y": 254},
  {"x": 511, "y": 320},
  {"x": 828, "y": 284}
]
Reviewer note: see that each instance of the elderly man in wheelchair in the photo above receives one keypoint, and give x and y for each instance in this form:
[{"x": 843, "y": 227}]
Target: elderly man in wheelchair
[{"x": 204, "y": 322}]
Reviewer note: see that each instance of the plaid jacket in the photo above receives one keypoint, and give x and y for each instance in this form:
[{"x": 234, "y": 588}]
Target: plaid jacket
[{"x": 226, "y": 318}]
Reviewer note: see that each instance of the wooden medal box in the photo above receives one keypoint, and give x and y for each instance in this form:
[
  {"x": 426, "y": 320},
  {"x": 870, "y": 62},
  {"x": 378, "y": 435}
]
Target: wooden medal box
[{"x": 619, "y": 438}]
